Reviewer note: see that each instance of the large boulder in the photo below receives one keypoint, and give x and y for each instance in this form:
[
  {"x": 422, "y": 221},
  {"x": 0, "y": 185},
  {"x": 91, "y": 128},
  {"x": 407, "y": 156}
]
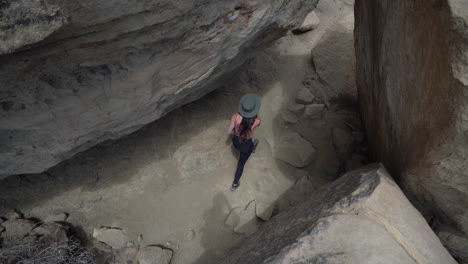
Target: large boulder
[
  {"x": 76, "y": 73},
  {"x": 363, "y": 217},
  {"x": 413, "y": 87}
]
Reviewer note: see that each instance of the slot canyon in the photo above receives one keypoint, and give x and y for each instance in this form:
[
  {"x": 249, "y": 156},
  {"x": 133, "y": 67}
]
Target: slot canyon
[{"x": 116, "y": 145}]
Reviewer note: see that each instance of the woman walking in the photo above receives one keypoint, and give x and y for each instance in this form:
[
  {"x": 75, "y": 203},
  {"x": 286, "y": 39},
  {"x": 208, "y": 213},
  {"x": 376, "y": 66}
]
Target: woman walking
[{"x": 243, "y": 125}]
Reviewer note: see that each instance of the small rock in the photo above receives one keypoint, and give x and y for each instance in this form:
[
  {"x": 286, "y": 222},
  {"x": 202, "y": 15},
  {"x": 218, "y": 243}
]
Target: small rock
[
  {"x": 289, "y": 118},
  {"x": 2, "y": 220},
  {"x": 114, "y": 237},
  {"x": 264, "y": 211},
  {"x": 294, "y": 149},
  {"x": 51, "y": 232},
  {"x": 314, "y": 111},
  {"x": 343, "y": 142},
  {"x": 140, "y": 238},
  {"x": 234, "y": 217},
  {"x": 296, "y": 108},
  {"x": 154, "y": 255},
  {"x": 15, "y": 215},
  {"x": 16, "y": 230},
  {"x": 305, "y": 96},
  {"x": 57, "y": 217},
  {"x": 311, "y": 22},
  {"x": 2, "y": 228},
  {"x": 248, "y": 223}
]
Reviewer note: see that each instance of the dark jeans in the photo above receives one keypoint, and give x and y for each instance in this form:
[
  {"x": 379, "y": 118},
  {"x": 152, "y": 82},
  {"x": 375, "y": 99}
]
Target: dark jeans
[{"x": 245, "y": 150}]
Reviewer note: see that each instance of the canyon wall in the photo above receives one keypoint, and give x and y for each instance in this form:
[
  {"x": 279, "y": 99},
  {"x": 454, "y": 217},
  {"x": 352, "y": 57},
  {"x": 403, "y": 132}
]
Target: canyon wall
[
  {"x": 76, "y": 73},
  {"x": 412, "y": 77},
  {"x": 363, "y": 217}
]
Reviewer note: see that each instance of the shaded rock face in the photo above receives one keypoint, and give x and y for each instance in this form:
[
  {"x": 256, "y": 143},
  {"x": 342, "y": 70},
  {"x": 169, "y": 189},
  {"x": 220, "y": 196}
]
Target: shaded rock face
[
  {"x": 363, "y": 217},
  {"x": 412, "y": 79},
  {"x": 104, "y": 69}
]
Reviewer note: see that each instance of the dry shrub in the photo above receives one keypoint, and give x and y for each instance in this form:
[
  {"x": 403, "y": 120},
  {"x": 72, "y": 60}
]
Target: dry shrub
[{"x": 58, "y": 253}]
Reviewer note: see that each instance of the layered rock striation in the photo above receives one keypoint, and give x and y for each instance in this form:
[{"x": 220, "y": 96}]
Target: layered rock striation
[
  {"x": 412, "y": 59},
  {"x": 76, "y": 73}
]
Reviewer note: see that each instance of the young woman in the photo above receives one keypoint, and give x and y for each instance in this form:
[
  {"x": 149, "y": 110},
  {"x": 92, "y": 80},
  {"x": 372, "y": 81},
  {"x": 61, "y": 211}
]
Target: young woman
[{"x": 243, "y": 125}]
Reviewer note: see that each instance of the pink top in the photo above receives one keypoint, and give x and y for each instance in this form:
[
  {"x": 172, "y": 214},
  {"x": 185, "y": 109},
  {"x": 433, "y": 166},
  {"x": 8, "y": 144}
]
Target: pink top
[{"x": 235, "y": 125}]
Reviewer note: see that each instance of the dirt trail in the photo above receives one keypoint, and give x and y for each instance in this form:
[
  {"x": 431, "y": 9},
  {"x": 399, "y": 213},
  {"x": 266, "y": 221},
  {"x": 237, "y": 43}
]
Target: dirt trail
[{"x": 170, "y": 180}]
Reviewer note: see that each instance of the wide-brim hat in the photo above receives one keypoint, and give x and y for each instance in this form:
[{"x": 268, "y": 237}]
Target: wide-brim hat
[{"x": 249, "y": 105}]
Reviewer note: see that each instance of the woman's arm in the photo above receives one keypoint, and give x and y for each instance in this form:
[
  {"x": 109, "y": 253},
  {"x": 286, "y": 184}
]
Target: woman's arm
[
  {"x": 233, "y": 123},
  {"x": 259, "y": 121}
]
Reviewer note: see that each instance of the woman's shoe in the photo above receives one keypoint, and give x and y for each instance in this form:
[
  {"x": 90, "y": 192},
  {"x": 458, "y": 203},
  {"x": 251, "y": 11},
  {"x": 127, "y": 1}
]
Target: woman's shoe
[
  {"x": 255, "y": 143},
  {"x": 234, "y": 187}
]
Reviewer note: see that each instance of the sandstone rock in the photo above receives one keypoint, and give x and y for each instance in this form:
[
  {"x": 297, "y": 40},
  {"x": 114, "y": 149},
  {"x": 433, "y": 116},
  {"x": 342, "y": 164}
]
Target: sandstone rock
[
  {"x": 294, "y": 150},
  {"x": 343, "y": 142},
  {"x": 296, "y": 108},
  {"x": 154, "y": 255},
  {"x": 363, "y": 217},
  {"x": 305, "y": 96},
  {"x": 314, "y": 111},
  {"x": 334, "y": 60},
  {"x": 117, "y": 66},
  {"x": 51, "y": 232},
  {"x": 289, "y": 118},
  {"x": 16, "y": 230},
  {"x": 311, "y": 22},
  {"x": 414, "y": 108},
  {"x": 264, "y": 210},
  {"x": 113, "y": 237}
]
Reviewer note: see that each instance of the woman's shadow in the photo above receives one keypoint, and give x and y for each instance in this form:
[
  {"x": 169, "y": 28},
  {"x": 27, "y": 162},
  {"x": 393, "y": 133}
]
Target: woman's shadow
[{"x": 214, "y": 229}]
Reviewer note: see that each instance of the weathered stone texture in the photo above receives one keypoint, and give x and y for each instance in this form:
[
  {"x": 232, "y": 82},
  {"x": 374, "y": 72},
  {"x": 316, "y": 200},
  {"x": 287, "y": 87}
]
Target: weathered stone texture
[
  {"x": 103, "y": 69},
  {"x": 363, "y": 217},
  {"x": 412, "y": 59}
]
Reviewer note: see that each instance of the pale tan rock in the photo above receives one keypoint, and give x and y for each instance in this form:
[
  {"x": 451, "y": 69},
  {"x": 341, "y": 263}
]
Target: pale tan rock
[
  {"x": 154, "y": 255},
  {"x": 294, "y": 150},
  {"x": 113, "y": 237},
  {"x": 289, "y": 118},
  {"x": 296, "y": 108},
  {"x": 16, "y": 230},
  {"x": 305, "y": 96},
  {"x": 264, "y": 211},
  {"x": 311, "y": 22},
  {"x": 361, "y": 218}
]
